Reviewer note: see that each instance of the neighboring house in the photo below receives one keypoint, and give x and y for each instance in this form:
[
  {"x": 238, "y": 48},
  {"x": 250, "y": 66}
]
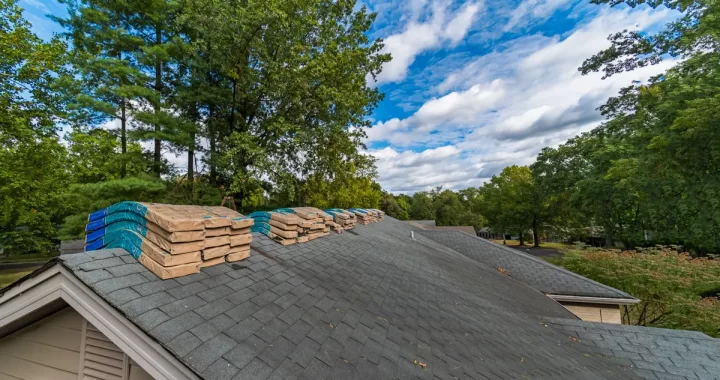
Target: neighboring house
[
  {"x": 72, "y": 246},
  {"x": 589, "y": 300},
  {"x": 378, "y": 302}
]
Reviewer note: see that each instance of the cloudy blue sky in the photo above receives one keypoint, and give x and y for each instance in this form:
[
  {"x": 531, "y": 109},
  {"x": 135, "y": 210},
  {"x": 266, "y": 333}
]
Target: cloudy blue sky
[{"x": 475, "y": 86}]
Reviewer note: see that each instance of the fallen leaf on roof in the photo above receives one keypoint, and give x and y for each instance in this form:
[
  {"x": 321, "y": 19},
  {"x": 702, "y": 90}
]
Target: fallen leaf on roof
[
  {"x": 422, "y": 364},
  {"x": 573, "y": 338},
  {"x": 501, "y": 270}
]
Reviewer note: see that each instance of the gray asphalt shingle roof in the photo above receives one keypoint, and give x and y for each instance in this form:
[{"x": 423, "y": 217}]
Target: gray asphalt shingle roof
[
  {"x": 366, "y": 304},
  {"x": 655, "y": 353},
  {"x": 539, "y": 274}
]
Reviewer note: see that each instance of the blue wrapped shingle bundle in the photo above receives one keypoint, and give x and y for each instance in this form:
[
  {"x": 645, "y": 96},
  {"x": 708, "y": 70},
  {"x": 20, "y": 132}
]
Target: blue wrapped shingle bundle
[
  {"x": 364, "y": 216},
  {"x": 342, "y": 217},
  {"x": 171, "y": 240},
  {"x": 281, "y": 226}
]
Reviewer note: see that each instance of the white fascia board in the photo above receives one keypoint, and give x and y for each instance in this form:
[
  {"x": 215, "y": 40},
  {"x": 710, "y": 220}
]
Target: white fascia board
[{"x": 602, "y": 300}]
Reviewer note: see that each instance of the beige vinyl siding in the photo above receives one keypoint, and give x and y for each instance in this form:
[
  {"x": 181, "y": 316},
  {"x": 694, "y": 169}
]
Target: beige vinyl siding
[
  {"x": 595, "y": 312},
  {"x": 64, "y": 346},
  {"x": 47, "y": 349},
  {"x": 137, "y": 373}
]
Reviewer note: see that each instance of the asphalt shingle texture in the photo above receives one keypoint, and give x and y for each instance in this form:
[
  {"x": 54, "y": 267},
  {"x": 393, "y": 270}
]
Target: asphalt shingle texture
[
  {"x": 539, "y": 274},
  {"x": 372, "y": 303},
  {"x": 654, "y": 353}
]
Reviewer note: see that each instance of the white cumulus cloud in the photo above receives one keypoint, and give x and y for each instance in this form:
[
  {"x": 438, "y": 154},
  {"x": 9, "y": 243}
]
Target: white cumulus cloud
[
  {"x": 418, "y": 37},
  {"x": 503, "y": 107}
]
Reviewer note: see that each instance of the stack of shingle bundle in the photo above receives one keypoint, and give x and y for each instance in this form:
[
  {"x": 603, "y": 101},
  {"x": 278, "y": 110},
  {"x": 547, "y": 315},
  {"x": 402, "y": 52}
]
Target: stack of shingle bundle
[
  {"x": 345, "y": 219},
  {"x": 279, "y": 226},
  {"x": 171, "y": 240},
  {"x": 239, "y": 236},
  {"x": 364, "y": 216},
  {"x": 379, "y": 213},
  {"x": 315, "y": 223},
  {"x": 329, "y": 221}
]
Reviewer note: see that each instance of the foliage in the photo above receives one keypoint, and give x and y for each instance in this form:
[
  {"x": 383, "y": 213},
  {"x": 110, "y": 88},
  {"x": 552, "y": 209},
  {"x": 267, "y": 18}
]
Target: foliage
[
  {"x": 505, "y": 199},
  {"x": 421, "y": 207},
  {"x": 676, "y": 291},
  {"x": 392, "y": 207},
  {"x": 446, "y": 207},
  {"x": 31, "y": 159},
  {"x": 83, "y": 198},
  {"x": 695, "y": 31}
]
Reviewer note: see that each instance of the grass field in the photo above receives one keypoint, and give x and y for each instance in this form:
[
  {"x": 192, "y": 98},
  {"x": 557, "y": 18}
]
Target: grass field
[{"x": 9, "y": 275}]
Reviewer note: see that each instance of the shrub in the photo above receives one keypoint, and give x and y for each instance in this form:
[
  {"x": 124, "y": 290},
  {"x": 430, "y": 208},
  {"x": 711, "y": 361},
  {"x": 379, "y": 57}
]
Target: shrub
[{"x": 676, "y": 290}]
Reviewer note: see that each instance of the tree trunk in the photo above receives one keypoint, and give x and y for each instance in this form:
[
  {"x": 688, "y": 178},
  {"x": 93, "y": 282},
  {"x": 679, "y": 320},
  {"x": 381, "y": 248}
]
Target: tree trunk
[
  {"x": 191, "y": 164},
  {"x": 123, "y": 139},
  {"x": 520, "y": 236},
  {"x": 158, "y": 88},
  {"x": 536, "y": 237},
  {"x": 232, "y": 107},
  {"x": 191, "y": 151},
  {"x": 123, "y": 132},
  {"x": 211, "y": 132}
]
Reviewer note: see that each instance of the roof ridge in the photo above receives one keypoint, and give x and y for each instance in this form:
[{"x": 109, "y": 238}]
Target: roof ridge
[{"x": 547, "y": 264}]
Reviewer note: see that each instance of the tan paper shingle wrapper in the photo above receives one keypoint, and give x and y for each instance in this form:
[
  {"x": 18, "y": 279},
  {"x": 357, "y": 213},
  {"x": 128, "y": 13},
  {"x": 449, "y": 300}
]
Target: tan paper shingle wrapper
[
  {"x": 237, "y": 219},
  {"x": 212, "y": 232},
  {"x": 217, "y": 241},
  {"x": 238, "y": 254},
  {"x": 214, "y": 252},
  {"x": 236, "y": 240},
  {"x": 168, "y": 272},
  {"x": 165, "y": 258},
  {"x": 176, "y": 237},
  {"x": 175, "y": 248},
  {"x": 211, "y": 262},
  {"x": 240, "y": 231},
  {"x": 173, "y": 218}
]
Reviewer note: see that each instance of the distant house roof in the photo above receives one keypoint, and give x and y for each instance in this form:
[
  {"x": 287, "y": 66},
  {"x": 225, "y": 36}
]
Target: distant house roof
[
  {"x": 422, "y": 222},
  {"x": 375, "y": 302},
  {"x": 655, "y": 353},
  {"x": 72, "y": 246},
  {"x": 539, "y": 274},
  {"x": 430, "y": 225}
]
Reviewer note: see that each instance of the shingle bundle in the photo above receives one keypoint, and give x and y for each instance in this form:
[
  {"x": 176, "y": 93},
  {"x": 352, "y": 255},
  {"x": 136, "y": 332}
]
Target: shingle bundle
[
  {"x": 327, "y": 219},
  {"x": 345, "y": 219},
  {"x": 364, "y": 216},
  {"x": 316, "y": 219},
  {"x": 282, "y": 227},
  {"x": 171, "y": 240}
]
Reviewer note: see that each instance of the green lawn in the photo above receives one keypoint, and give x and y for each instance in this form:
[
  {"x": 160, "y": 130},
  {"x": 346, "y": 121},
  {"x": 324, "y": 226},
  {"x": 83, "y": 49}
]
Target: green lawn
[
  {"x": 542, "y": 245},
  {"x": 9, "y": 275}
]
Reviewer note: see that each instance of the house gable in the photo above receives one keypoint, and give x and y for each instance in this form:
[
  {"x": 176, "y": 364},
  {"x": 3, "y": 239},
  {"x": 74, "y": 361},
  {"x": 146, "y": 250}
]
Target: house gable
[{"x": 54, "y": 287}]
